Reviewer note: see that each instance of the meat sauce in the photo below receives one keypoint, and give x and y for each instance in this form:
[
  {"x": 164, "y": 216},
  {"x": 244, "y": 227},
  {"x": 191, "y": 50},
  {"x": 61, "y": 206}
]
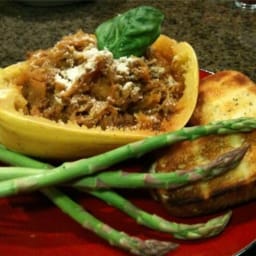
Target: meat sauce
[{"x": 75, "y": 82}]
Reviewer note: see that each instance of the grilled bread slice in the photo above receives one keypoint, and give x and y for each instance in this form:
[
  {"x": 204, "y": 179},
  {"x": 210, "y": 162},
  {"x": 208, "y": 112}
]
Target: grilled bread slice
[{"x": 224, "y": 95}]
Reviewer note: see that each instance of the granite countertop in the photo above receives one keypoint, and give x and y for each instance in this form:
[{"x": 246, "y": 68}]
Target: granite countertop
[{"x": 223, "y": 36}]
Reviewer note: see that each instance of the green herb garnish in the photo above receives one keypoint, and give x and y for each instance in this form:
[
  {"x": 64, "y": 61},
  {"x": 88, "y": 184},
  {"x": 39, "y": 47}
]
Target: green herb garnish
[{"x": 130, "y": 33}]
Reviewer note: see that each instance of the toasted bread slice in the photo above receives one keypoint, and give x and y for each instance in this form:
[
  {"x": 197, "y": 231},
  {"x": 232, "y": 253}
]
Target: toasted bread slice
[{"x": 225, "y": 95}]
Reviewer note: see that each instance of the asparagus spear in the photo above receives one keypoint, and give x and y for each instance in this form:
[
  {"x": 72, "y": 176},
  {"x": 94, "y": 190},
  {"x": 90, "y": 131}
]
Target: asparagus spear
[
  {"x": 71, "y": 170},
  {"x": 167, "y": 180},
  {"x": 134, "y": 245},
  {"x": 17, "y": 159},
  {"x": 182, "y": 231},
  {"x": 75, "y": 211},
  {"x": 122, "y": 179}
]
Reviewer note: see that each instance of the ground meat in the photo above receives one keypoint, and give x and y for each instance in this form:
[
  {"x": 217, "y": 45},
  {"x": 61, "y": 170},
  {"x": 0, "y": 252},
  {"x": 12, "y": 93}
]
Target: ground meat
[{"x": 75, "y": 82}]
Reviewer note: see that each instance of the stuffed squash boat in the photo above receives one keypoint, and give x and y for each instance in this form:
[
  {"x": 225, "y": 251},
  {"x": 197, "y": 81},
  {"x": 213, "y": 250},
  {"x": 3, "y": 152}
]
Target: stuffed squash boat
[{"x": 75, "y": 100}]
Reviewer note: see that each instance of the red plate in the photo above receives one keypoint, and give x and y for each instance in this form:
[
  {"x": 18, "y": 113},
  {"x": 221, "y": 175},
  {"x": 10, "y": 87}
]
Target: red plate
[{"x": 31, "y": 226}]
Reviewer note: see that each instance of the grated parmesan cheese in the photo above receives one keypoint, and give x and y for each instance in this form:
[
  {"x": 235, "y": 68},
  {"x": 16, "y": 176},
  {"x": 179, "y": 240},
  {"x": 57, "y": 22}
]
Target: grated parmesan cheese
[{"x": 69, "y": 76}]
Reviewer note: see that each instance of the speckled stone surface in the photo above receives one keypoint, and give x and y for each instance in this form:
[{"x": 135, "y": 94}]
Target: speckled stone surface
[{"x": 223, "y": 36}]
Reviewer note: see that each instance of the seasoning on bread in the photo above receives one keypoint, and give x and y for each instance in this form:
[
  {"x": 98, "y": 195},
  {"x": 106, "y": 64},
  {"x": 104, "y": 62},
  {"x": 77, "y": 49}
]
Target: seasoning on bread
[{"x": 224, "y": 95}]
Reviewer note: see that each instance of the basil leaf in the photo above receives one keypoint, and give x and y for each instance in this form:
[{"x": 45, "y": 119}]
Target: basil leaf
[{"x": 130, "y": 33}]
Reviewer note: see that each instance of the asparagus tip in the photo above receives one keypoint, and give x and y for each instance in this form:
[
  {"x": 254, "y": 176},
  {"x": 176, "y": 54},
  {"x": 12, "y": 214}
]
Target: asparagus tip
[
  {"x": 153, "y": 247},
  {"x": 211, "y": 228}
]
